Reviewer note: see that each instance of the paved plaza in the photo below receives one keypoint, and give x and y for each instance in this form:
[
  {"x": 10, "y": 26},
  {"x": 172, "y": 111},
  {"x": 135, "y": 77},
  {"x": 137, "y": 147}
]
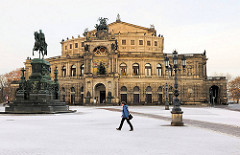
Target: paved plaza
[{"x": 92, "y": 130}]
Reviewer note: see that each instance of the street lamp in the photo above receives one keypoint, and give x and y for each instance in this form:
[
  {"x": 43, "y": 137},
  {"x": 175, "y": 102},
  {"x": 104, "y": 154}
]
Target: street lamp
[
  {"x": 166, "y": 103},
  {"x": 184, "y": 62},
  {"x": 166, "y": 62},
  {"x": 145, "y": 96},
  {"x": 176, "y": 111}
]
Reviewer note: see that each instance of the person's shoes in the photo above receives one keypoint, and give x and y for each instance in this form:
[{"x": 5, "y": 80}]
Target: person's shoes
[
  {"x": 131, "y": 130},
  {"x": 118, "y": 129}
]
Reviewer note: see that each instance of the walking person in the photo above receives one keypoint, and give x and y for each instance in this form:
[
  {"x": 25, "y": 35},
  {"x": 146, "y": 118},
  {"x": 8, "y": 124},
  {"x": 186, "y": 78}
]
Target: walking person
[{"x": 125, "y": 116}]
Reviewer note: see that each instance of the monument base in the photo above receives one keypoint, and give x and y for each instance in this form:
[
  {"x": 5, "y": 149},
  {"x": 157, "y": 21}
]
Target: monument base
[
  {"x": 27, "y": 107},
  {"x": 166, "y": 107},
  {"x": 177, "y": 119}
]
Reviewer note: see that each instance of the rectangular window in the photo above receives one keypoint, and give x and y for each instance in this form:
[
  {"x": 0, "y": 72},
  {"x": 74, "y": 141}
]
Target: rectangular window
[
  {"x": 132, "y": 42},
  {"x": 76, "y": 45},
  {"x": 82, "y": 44},
  {"x": 155, "y": 43},
  {"x": 140, "y": 42},
  {"x": 149, "y": 43},
  {"x": 65, "y": 47},
  {"x": 70, "y": 46},
  {"x": 124, "y": 42}
]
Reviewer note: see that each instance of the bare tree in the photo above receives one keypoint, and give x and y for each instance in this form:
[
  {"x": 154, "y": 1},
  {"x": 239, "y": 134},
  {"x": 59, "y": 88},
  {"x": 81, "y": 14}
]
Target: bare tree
[
  {"x": 234, "y": 88},
  {"x": 3, "y": 81}
]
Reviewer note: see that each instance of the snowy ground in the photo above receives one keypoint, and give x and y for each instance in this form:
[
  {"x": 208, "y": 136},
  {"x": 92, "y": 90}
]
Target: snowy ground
[
  {"x": 92, "y": 130},
  {"x": 208, "y": 114}
]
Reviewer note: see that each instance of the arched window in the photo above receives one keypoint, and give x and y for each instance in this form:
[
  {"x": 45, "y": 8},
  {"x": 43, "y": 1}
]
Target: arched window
[
  {"x": 136, "y": 89},
  {"x": 64, "y": 71},
  {"x": 123, "y": 89},
  {"x": 149, "y": 89},
  {"x": 135, "y": 69},
  {"x": 123, "y": 69},
  {"x": 73, "y": 70},
  {"x": 100, "y": 51},
  {"x": 159, "y": 70},
  {"x": 82, "y": 70},
  {"x": 160, "y": 89},
  {"x": 148, "y": 69}
]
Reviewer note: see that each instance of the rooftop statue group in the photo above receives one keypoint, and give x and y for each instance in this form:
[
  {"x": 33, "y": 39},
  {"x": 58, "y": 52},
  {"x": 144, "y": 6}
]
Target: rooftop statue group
[{"x": 102, "y": 25}]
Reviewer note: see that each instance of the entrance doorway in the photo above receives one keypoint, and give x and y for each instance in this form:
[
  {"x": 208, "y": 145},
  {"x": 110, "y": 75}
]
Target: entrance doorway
[
  {"x": 102, "y": 96},
  {"x": 100, "y": 93},
  {"x": 214, "y": 95},
  {"x": 136, "y": 92},
  {"x": 72, "y": 96},
  {"x": 148, "y": 95},
  {"x": 160, "y": 98},
  {"x": 123, "y": 93},
  {"x": 81, "y": 95}
]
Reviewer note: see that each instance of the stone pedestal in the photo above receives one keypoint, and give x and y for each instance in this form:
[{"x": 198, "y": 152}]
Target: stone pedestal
[
  {"x": 39, "y": 94},
  {"x": 166, "y": 107},
  {"x": 177, "y": 119}
]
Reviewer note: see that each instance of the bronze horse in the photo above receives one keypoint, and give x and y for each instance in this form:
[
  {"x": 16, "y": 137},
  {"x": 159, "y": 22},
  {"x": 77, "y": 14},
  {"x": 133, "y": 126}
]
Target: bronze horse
[{"x": 40, "y": 45}]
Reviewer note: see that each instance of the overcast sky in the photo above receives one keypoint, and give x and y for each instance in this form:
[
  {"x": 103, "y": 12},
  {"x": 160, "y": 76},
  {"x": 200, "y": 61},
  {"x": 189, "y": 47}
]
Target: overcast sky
[{"x": 190, "y": 26}]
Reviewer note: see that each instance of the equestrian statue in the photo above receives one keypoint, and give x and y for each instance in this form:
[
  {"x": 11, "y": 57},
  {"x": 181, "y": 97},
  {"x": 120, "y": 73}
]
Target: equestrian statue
[{"x": 40, "y": 45}]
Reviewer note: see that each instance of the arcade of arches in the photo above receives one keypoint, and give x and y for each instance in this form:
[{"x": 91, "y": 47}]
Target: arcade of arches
[{"x": 127, "y": 63}]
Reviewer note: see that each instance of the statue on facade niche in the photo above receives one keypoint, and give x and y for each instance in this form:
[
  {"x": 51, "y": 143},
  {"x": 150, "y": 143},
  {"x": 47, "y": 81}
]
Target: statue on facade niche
[
  {"x": 86, "y": 47},
  {"x": 114, "y": 46},
  {"x": 101, "y": 69},
  {"x": 40, "y": 45}
]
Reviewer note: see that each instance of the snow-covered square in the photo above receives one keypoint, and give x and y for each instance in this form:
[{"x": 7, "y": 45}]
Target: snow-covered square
[{"x": 92, "y": 130}]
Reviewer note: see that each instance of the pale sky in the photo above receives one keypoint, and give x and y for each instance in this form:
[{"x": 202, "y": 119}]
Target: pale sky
[{"x": 189, "y": 26}]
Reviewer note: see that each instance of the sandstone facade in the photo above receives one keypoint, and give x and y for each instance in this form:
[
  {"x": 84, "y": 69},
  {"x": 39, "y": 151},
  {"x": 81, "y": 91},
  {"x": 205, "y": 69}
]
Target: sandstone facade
[{"x": 133, "y": 61}]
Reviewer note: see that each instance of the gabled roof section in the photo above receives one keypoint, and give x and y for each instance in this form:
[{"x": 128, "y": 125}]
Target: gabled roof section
[{"x": 124, "y": 27}]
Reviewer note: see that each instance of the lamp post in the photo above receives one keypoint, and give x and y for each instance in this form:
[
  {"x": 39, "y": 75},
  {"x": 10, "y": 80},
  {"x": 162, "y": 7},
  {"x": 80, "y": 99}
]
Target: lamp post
[
  {"x": 166, "y": 103},
  {"x": 177, "y": 111},
  {"x": 166, "y": 62},
  {"x": 145, "y": 96}
]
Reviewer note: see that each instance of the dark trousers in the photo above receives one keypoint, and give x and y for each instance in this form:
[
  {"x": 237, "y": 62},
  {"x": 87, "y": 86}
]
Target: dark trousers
[{"x": 128, "y": 121}]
